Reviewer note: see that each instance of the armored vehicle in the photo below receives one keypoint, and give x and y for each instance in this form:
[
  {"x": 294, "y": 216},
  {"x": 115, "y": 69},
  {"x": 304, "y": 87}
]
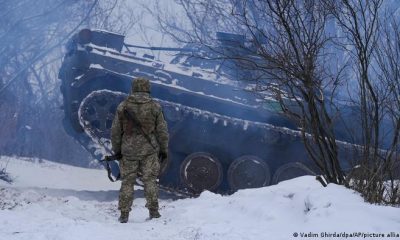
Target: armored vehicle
[{"x": 223, "y": 136}]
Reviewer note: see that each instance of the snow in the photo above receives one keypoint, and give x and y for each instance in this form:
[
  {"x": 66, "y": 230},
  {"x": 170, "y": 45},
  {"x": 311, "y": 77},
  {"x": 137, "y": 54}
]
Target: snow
[
  {"x": 28, "y": 173},
  {"x": 246, "y": 125},
  {"x": 97, "y": 66},
  {"x": 54, "y": 201},
  {"x": 79, "y": 77}
]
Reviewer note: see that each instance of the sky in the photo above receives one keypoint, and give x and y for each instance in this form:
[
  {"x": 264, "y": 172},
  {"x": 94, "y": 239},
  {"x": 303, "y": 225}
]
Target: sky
[{"x": 146, "y": 31}]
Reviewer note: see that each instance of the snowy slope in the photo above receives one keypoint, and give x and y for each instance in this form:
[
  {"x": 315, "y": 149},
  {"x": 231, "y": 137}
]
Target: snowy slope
[
  {"x": 53, "y": 201},
  {"x": 29, "y": 172}
]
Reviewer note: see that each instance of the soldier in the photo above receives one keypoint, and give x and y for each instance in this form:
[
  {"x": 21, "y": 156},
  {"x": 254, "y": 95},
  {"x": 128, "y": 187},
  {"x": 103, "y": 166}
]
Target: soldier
[{"x": 139, "y": 132}]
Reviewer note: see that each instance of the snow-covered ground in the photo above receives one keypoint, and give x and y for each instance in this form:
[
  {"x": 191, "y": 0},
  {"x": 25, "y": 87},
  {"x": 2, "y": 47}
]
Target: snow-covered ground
[{"x": 54, "y": 201}]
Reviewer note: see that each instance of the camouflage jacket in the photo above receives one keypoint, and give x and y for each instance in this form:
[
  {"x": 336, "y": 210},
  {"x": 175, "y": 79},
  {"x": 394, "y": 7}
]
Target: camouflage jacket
[{"x": 128, "y": 139}]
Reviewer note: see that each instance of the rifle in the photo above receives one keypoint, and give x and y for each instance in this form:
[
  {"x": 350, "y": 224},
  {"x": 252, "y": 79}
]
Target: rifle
[
  {"x": 109, "y": 158},
  {"x": 113, "y": 157}
]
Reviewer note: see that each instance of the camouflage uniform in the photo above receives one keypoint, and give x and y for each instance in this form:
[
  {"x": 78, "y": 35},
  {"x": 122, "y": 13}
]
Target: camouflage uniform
[{"x": 138, "y": 153}]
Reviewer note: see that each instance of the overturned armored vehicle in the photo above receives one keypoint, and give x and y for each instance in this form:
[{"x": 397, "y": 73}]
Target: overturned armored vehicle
[{"x": 223, "y": 137}]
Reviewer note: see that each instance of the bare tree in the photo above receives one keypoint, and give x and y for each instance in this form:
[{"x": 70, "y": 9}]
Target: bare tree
[
  {"x": 32, "y": 34},
  {"x": 372, "y": 44},
  {"x": 388, "y": 75},
  {"x": 33, "y": 37}
]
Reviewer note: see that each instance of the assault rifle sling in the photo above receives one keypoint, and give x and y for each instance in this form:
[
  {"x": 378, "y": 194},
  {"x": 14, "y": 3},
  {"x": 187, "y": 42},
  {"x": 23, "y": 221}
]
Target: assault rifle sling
[{"x": 132, "y": 117}]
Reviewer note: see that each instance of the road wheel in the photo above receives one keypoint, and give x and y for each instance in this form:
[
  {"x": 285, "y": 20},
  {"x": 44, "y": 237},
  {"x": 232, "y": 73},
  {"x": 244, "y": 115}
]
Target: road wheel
[
  {"x": 248, "y": 172},
  {"x": 201, "y": 171}
]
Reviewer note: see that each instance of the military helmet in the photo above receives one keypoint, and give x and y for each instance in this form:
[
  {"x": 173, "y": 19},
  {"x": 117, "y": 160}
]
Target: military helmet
[{"x": 141, "y": 84}]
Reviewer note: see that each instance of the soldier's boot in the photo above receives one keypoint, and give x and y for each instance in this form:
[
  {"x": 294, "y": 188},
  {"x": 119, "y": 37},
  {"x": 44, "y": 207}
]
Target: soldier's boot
[
  {"x": 124, "y": 217},
  {"x": 153, "y": 213}
]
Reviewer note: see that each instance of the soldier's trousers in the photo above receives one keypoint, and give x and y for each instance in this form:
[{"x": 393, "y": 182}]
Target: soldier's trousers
[{"x": 149, "y": 167}]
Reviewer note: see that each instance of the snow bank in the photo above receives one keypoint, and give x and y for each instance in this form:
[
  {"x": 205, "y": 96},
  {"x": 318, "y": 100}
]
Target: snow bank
[
  {"x": 28, "y": 172},
  {"x": 299, "y": 206}
]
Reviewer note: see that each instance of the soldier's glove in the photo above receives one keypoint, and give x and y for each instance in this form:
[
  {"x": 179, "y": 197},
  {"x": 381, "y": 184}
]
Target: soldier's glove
[
  {"x": 163, "y": 156},
  {"x": 116, "y": 156}
]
